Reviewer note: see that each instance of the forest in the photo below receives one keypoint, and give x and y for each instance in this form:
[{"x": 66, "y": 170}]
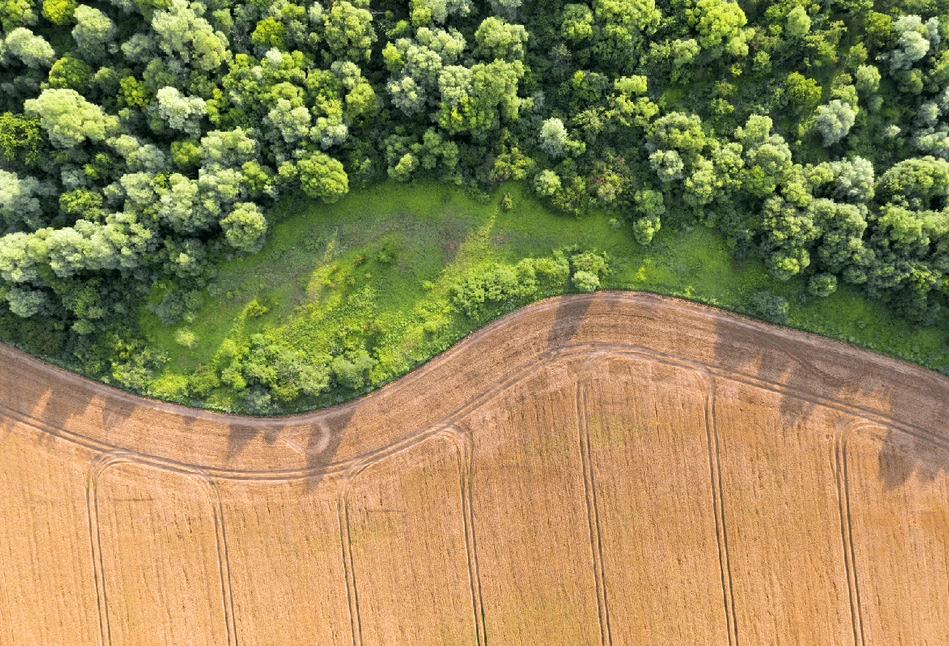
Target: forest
[{"x": 145, "y": 142}]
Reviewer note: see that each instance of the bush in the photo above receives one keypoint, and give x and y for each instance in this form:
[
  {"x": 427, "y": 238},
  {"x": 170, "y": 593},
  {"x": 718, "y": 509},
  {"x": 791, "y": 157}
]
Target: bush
[
  {"x": 822, "y": 285},
  {"x": 590, "y": 262},
  {"x": 186, "y": 338},
  {"x": 255, "y": 309},
  {"x": 353, "y": 372},
  {"x": 176, "y": 305},
  {"x": 257, "y": 401},
  {"x": 507, "y": 202},
  {"x": 769, "y": 307},
  {"x": 586, "y": 281},
  {"x": 496, "y": 284}
]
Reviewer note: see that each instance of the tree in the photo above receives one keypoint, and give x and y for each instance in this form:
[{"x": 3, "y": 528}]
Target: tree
[
  {"x": 650, "y": 208},
  {"x": 16, "y": 13},
  {"x": 496, "y": 38},
  {"x": 553, "y": 137},
  {"x": 506, "y": 8},
  {"x": 547, "y": 183},
  {"x": 667, "y": 164},
  {"x": 183, "y": 34},
  {"x": 291, "y": 123},
  {"x": 841, "y": 248},
  {"x": 577, "y": 25},
  {"x": 854, "y": 180},
  {"x": 19, "y": 202},
  {"x": 71, "y": 73},
  {"x": 30, "y": 48},
  {"x": 93, "y": 30},
  {"x": 270, "y": 32},
  {"x": 913, "y": 43},
  {"x": 348, "y": 31},
  {"x": 69, "y": 119},
  {"x": 788, "y": 234},
  {"x": 424, "y": 12},
  {"x": 834, "y": 121},
  {"x": 181, "y": 112},
  {"x": 719, "y": 24},
  {"x": 799, "y": 23},
  {"x": 323, "y": 177},
  {"x": 59, "y": 12},
  {"x": 20, "y": 140},
  {"x": 680, "y": 132},
  {"x": 803, "y": 92},
  {"x": 227, "y": 148},
  {"x": 919, "y": 183},
  {"x": 245, "y": 228},
  {"x": 623, "y": 23},
  {"x": 868, "y": 79},
  {"x": 25, "y": 302}
]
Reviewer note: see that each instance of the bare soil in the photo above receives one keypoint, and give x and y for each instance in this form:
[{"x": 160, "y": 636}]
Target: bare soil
[{"x": 608, "y": 469}]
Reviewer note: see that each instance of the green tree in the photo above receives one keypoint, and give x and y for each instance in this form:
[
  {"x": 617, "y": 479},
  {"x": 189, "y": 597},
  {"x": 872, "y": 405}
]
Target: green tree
[
  {"x": 799, "y": 23},
  {"x": 497, "y": 38},
  {"x": 323, "y": 177},
  {"x": 245, "y": 228},
  {"x": 71, "y": 73},
  {"x": 69, "y": 119},
  {"x": 720, "y": 26},
  {"x": 834, "y": 121},
  {"x": 59, "y": 12},
  {"x": 30, "y": 48},
  {"x": 183, "y": 34},
  {"x": 553, "y": 137},
  {"x": 180, "y": 112},
  {"x": 348, "y": 31}
]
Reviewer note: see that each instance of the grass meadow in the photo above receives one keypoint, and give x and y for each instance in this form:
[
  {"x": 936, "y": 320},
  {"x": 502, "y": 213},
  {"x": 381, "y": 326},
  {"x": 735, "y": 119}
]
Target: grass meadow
[{"x": 375, "y": 271}]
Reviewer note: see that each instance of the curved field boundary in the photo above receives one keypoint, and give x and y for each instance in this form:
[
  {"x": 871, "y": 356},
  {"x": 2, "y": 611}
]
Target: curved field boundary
[{"x": 812, "y": 368}]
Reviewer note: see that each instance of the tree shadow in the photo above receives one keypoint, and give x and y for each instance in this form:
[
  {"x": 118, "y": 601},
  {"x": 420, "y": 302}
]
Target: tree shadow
[
  {"x": 807, "y": 371},
  {"x": 902, "y": 456},
  {"x": 316, "y": 436},
  {"x": 567, "y": 320}
]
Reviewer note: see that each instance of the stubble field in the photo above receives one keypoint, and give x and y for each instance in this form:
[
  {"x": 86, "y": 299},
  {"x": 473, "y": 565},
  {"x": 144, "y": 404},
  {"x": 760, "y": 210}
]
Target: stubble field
[{"x": 605, "y": 469}]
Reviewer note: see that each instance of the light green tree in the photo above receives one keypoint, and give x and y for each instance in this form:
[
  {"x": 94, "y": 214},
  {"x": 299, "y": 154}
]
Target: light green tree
[{"x": 69, "y": 119}]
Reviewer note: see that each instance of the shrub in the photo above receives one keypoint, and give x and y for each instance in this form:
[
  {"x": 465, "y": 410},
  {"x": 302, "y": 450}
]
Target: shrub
[
  {"x": 257, "y": 401},
  {"x": 353, "y": 372},
  {"x": 768, "y": 306},
  {"x": 586, "y": 281},
  {"x": 255, "y": 309},
  {"x": 822, "y": 285},
  {"x": 186, "y": 338},
  {"x": 590, "y": 262}
]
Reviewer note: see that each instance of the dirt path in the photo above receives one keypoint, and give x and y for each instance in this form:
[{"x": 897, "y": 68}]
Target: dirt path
[{"x": 605, "y": 469}]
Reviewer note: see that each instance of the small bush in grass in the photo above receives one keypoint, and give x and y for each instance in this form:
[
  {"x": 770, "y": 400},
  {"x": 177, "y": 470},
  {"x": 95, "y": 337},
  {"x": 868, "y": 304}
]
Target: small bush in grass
[
  {"x": 768, "y": 306},
  {"x": 507, "y": 202},
  {"x": 255, "y": 309},
  {"x": 186, "y": 338}
]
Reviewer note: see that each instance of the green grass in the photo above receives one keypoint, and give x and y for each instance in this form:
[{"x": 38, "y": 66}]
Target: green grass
[{"x": 375, "y": 271}]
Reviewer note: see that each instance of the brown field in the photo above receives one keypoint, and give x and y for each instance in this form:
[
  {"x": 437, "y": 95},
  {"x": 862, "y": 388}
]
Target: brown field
[{"x": 609, "y": 469}]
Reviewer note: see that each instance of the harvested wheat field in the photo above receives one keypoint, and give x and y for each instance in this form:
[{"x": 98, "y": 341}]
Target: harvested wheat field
[{"x": 608, "y": 469}]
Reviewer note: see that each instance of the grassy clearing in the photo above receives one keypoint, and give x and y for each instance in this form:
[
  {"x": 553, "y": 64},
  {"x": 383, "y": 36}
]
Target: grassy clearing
[{"x": 375, "y": 271}]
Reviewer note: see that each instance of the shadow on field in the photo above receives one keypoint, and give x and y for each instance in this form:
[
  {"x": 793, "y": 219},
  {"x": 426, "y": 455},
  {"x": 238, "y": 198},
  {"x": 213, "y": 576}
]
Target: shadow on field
[
  {"x": 902, "y": 456},
  {"x": 567, "y": 320},
  {"x": 772, "y": 357},
  {"x": 320, "y": 435}
]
